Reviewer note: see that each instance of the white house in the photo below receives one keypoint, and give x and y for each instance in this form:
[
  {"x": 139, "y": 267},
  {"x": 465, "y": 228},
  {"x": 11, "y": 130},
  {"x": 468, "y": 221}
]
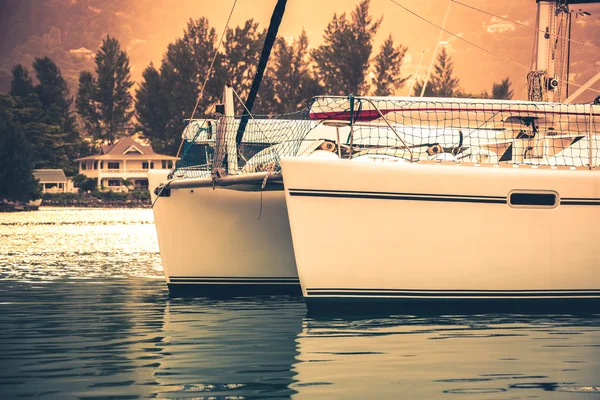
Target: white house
[
  {"x": 52, "y": 180},
  {"x": 125, "y": 159}
]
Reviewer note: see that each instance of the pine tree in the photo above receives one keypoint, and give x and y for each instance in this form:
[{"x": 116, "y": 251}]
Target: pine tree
[
  {"x": 441, "y": 83},
  {"x": 152, "y": 109},
  {"x": 52, "y": 89},
  {"x": 342, "y": 60},
  {"x": 184, "y": 69},
  {"x": 54, "y": 96},
  {"x": 289, "y": 84},
  {"x": 502, "y": 90},
  {"x": 242, "y": 47},
  {"x": 22, "y": 84},
  {"x": 16, "y": 157},
  {"x": 104, "y": 102},
  {"x": 86, "y": 104},
  {"x": 387, "y": 68}
]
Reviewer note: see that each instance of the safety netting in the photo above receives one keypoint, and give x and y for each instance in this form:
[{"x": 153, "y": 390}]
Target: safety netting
[
  {"x": 210, "y": 145},
  {"x": 412, "y": 129},
  {"x": 465, "y": 130}
]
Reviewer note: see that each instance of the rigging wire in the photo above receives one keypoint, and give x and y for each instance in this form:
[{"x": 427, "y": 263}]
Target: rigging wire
[
  {"x": 458, "y": 37},
  {"x": 475, "y": 45},
  {"x": 525, "y": 25},
  {"x": 212, "y": 63},
  {"x": 437, "y": 44},
  {"x": 416, "y": 73}
]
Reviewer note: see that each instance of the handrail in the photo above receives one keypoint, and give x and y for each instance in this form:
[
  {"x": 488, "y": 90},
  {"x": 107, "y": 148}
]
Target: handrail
[{"x": 390, "y": 126}]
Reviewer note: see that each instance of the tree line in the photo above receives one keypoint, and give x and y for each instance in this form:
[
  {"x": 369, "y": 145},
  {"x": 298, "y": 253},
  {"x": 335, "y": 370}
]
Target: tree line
[{"x": 44, "y": 125}]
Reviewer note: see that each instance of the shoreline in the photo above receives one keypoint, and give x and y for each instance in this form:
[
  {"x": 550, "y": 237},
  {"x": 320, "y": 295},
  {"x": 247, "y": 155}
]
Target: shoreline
[
  {"x": 98, "y": 203},
  {"x": 80, "y": 200}
]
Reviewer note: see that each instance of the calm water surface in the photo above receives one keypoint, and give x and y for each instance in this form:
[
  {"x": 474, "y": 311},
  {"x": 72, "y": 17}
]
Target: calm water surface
[{"x": 84, "y": 313}]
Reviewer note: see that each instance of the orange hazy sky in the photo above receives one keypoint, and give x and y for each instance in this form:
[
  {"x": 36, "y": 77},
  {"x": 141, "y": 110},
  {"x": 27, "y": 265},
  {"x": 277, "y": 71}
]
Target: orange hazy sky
[{"x": 476, "y": 68}]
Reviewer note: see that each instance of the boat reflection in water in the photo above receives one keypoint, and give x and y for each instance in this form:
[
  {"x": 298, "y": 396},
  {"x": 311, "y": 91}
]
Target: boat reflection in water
[
  {"x": 489, "y": 357},
  {"x": 221, "y": 348},
  {"x": 125, "y": 338}
]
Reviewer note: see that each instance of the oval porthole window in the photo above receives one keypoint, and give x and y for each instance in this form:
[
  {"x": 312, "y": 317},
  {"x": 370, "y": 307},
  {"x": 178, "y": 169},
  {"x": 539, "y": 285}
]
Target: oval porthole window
[{"x": 533, "y": 199}]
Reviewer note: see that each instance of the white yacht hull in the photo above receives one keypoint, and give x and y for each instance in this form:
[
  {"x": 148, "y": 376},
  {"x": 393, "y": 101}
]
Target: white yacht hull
[
  {"x": 212, "y": 241},
  {"x": 373, "y": 234}
]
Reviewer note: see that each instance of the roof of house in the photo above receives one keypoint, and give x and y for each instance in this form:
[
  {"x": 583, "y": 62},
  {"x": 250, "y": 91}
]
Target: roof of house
[
  {"x": 49, "y": 175},
  {"x": 127, "y": 149}
]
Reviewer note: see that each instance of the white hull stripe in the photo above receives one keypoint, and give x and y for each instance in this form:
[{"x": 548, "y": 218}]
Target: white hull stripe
[
  {"x": 453, "y": 198},
  {"x": 400, "y": 293}
]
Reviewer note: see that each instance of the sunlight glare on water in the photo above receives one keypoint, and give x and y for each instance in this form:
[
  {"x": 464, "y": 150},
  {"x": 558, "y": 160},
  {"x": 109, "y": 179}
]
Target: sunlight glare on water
[{"x": 79, "y": 243}]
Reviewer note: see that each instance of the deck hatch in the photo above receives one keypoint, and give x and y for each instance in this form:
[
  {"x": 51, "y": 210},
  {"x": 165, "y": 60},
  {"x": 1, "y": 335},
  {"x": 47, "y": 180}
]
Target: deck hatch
[{"x": 533, "y": 199}]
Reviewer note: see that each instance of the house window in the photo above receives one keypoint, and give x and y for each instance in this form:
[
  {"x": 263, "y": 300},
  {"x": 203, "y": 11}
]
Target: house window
[
  {"x": 114, "y": 182},
  {"x": 113, "y": 165},
  {"x": 95, "y": 164},
  {"x": 152, "y": 165},
  {"x": 101, "y": 164},
  {"x": 167, "y": 164},
  {"x": 83, "y": 166},
  {"x": 145, "y": 165},
  {"x": 60, "y": 186}
]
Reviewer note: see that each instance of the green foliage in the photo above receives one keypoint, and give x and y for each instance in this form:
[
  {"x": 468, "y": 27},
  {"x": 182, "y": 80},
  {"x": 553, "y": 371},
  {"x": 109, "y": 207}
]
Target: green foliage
[
  {"x": 110, "y": 195},
  {"x": 52, "y": 89},
  {"x": 289, "y": 83},
  {"x": 22, "y": 84},
  {"x": 139, "y": 194},
  {"x": 166, "y": 98},
  {"x": 387, "y": 68},
  {"x": 104, "y": 103},
  {"x": 78, "y": 179},
  {"x": 343, "y": 59},
  {"x": 88, "y": 184},
  {"x": 242, "y": 47},
  {"x": 441, "y": 83},
  {"x": 16, "y": 161},
  {"x": 61, "y": 197},
  {"x": 502, "y": 90},
  {"x": 43, "y": 112},
  {"x": 152, "y": 111},
  {"x": 87, "y": 106},
  {"x": 85, "y": 199}
]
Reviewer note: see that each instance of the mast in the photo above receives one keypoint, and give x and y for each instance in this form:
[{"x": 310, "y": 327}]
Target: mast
[
  {"x": 541, "y": 81},
  {"x": 262, "y": 65}
]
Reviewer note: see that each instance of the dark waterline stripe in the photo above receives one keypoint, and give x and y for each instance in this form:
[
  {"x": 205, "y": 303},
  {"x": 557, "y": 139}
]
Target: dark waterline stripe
[
  {"x": 451, "y": 294},
  {"x": 453, "y": 198},
  {"x": 401, "y": 196},
  {"x": 591, "y": 202},
  {"x": 233, "y": 277},
  {"x": 235, "y": 281},
  {"x": 399, "y": 193}
]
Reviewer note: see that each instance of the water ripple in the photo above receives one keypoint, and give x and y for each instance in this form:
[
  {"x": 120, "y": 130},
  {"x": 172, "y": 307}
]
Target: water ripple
[{"x": 85, "y": 313}]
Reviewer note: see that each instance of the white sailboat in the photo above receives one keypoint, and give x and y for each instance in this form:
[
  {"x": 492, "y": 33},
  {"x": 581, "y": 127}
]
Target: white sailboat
[
  {"x": 505, "y": 221},
  {"x": 223, "y": 228}
]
